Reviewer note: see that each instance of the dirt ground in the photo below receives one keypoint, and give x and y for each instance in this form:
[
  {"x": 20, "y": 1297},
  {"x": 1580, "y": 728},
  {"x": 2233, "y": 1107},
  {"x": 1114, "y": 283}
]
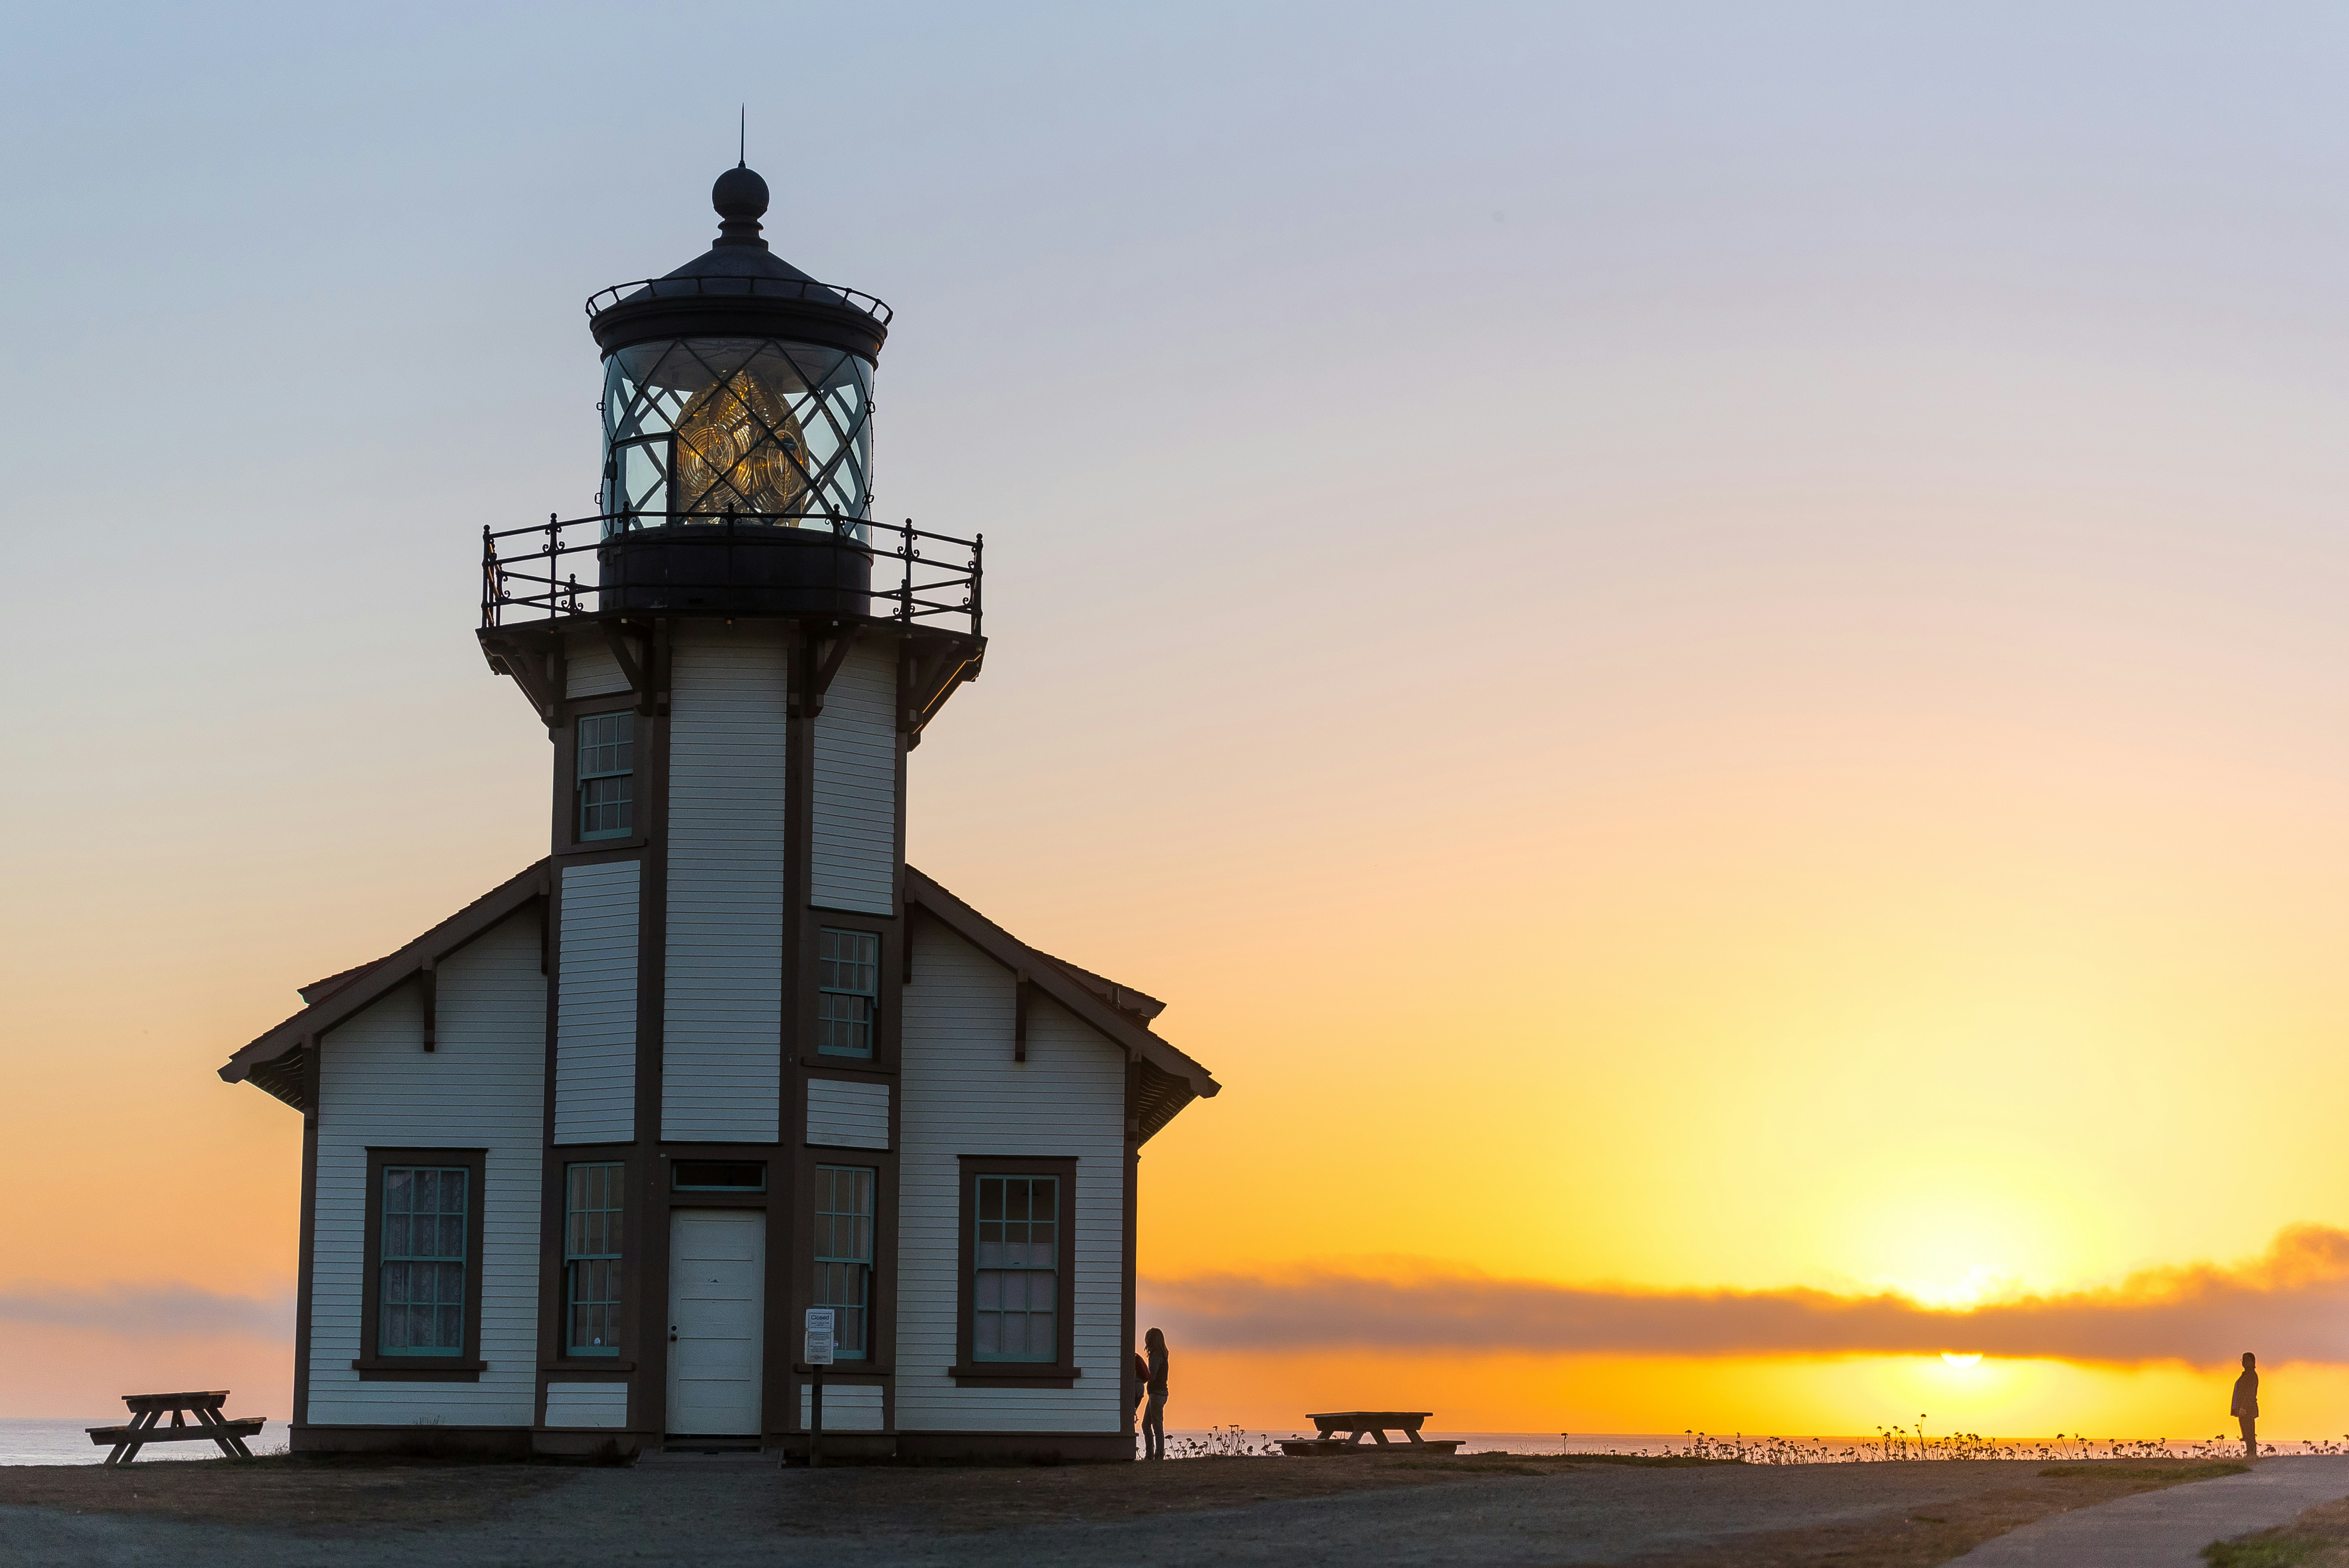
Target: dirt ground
[
  {"x": 1540, "y": 1510},
  {"x": 319, "y": 1494}
]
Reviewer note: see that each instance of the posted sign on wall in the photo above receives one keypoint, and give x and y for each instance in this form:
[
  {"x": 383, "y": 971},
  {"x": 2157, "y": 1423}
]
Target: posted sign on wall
[{"x": 819, "y": 1341}]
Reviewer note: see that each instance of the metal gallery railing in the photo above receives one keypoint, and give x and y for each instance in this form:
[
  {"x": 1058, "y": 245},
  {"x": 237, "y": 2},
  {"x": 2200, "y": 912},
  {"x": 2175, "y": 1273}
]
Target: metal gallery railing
[
  {"x": 745, "y": 284},
  {"x": 583, "y": 565}
]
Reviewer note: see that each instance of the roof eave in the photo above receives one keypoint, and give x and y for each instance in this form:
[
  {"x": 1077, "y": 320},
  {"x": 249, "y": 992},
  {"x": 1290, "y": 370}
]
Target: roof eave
[
  {"x": 1063, "y": 987},
  {"x": 373, "y": 981}
]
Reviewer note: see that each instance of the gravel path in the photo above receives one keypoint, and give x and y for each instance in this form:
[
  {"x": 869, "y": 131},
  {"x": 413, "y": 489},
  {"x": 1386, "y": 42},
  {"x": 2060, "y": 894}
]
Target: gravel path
[
  {"x": 736, "y": 1519},
  {"x": 2168, "y": 1529}
]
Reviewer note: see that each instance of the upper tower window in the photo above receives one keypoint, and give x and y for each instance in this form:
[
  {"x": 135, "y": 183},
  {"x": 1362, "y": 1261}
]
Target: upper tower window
[
  {"x": 697, "y": 428},
  {"x": 848, "y": 991},
  {"x": 608, "y": 750}
]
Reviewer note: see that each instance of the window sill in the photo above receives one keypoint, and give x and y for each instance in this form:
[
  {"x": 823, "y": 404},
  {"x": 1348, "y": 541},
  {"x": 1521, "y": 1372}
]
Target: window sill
[
  {"x": 847, "y": 1065},
  {"x": 417, "y": 1369},
  {"x": 596, "y": 846},
  {"x": 1015, "y": 1375},
  {"x": 590, "y": 1363}
]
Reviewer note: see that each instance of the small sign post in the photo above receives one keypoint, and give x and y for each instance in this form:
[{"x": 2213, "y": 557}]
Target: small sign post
[{"x": 820, "y": 1347}]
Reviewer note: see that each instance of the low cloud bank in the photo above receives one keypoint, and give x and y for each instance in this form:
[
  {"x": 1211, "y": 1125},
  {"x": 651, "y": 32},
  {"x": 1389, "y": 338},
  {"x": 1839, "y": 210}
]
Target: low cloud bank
[
  {"x": 149, "y": 1309},
  {"x": 2291, "y": 1303}
]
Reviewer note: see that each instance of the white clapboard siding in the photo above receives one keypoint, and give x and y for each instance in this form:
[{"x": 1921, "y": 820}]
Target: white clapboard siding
[
  {"x": 589, "y": 669},
  {"x": 482, "y": 1087},
  {"x": 852, "y": 862},
  {"x": 595, "y": 1005},
  {"x": 721, "y": 1054},
  {"x": 847, "y": 1407},
  {"x": 587, "y": 1404},
  {"x": 844, "y": 1115},
  {"x": 965, "y": 1095}
]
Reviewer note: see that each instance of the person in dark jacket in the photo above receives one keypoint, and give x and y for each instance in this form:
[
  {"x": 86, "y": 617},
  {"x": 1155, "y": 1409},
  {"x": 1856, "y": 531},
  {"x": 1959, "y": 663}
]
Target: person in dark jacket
[
  {"x": 2246, "y": 1407},
  {"x": 1154, "y": 1382}
]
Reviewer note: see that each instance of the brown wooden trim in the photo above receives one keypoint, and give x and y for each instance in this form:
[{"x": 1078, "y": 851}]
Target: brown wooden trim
[
  {"x": 854, "y": 1069},
  {"x": 399, "y": 1370},
  {"x": 371, "y": 1283},
  {"x": 599, "y": 846},
  {"x": 987, "y": 1374},
  {"x": 428, "y": 986},
  {"x": 1130, "y": 1234},
  {"x": 304, "y": 1289},
  {"x": 972, "y": 1167},
  {"x": 1019, "y": 1014},
  {"x": 590, "y": 1366}
]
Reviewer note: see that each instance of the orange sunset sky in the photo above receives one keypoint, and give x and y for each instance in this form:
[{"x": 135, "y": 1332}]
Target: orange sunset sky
[{"x": 1707, "y": 656}]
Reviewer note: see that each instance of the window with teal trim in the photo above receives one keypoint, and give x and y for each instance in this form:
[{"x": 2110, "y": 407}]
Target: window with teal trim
[
  {"x": 608, "y": 764},
  {"x": 423, "y": 1297},
  {"x": 1016, "y": 1287},
  {"x": 848, "y": 991},
  {"x": 844, "y": 1253},
  {"x": 590, "y": 1259}
]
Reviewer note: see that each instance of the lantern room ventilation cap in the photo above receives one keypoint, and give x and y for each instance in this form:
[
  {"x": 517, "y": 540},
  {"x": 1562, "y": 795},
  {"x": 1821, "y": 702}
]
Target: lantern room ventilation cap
[{"x": 741, "y": 197}]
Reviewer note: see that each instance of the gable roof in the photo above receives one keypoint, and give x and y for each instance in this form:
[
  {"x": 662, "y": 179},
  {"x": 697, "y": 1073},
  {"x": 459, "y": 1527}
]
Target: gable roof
[
  {"x": 1170, "y": 1080},
  {"x": 278, "y": 1061}
]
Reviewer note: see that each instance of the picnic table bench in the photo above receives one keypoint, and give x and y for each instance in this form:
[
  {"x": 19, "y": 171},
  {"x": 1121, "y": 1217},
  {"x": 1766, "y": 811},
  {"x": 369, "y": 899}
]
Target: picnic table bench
[
  {"x": 147, "y": 1409},
  {"x": 1360, "y": 1424}
]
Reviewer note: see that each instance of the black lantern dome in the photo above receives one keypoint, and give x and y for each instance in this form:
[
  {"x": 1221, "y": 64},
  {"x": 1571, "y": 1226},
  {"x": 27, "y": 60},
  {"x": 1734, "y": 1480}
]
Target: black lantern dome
[{"x": 739, "y": 287}]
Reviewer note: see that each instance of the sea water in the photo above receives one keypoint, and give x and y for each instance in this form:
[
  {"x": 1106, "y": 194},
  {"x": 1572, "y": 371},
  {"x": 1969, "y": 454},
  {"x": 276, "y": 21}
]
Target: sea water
[{"x": 63, "y": 1442}]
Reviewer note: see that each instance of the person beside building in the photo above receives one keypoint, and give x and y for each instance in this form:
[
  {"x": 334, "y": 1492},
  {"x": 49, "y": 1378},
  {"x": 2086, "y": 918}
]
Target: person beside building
[{"x": 1153, "y": 1411}]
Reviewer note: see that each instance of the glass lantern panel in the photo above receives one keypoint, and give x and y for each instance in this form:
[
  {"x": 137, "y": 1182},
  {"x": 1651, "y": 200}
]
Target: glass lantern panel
[{"x": 698, "y": 429}]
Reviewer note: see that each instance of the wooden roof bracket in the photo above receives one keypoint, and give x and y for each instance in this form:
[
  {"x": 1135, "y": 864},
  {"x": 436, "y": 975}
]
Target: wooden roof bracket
[
  {"x": 626, "y": 657},
  {"x": 428, "y": 982},
  {"x": 811, "y": 679},
  {"x": 1019, "y": 1014},
  {"x": 509, "y": 658}
]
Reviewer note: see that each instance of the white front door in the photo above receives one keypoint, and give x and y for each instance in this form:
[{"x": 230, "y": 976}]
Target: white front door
[{"x": 717, "y": 1266}]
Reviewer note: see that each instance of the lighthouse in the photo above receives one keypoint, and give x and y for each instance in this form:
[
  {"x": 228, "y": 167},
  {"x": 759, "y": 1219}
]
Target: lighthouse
[{"x": 579, "y": 1161}]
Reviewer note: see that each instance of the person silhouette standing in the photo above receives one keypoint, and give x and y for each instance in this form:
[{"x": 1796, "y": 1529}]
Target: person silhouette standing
[
  {"x": 2246, "y": 1407},
  {"x": 1154, "y": 1414}
]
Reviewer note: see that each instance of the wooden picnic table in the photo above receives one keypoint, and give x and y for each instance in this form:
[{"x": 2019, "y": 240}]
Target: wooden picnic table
[
  {"x": 147, "y": 1410},
  {"x": 1372, "y": 1424}
]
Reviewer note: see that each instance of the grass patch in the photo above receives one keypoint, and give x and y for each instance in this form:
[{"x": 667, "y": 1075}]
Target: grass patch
[
  {"x": 2276, "y": 1551},
  {"x": 2207, "y": 1469}
]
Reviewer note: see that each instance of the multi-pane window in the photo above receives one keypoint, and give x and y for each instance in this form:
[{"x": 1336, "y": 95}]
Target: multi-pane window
[
  {"x": 422, "y": 1295},
  {"x": 848, "y": 986},
  {"x": 844, "y": 1253},
  {"x": 607, "y": 763},
  {"x": 591, "y": 1260},
  {"x": 1017, "y": 1285}
]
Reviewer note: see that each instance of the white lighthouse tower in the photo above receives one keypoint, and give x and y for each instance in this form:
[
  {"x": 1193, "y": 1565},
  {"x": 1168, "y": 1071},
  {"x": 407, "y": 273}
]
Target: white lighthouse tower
[{"x": 579, "y": 1159}]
